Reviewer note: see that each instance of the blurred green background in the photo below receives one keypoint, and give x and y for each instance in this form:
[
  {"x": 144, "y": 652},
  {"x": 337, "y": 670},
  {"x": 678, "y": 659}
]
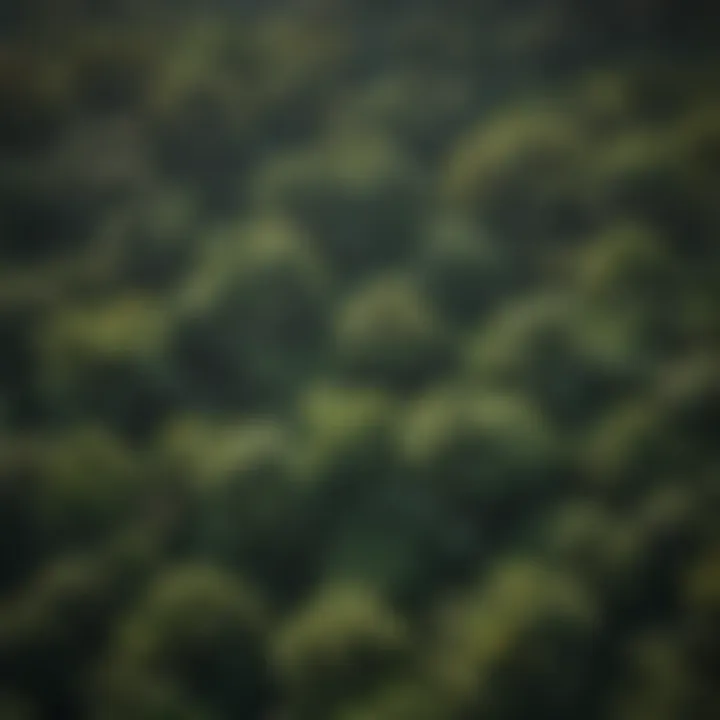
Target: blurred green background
[{"x": 359, "y": 360}]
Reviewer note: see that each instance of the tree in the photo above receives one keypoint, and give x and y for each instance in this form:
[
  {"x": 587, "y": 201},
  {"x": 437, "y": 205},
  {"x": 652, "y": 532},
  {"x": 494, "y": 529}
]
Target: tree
[
  {"x": 242, "y": 501},
  {"x": 524, "y": 172},
  {"x": 251, "y": 318},
  {"x": 480, "y": 449},
  {"x": 343, "y": 644},
  {"x": 357, "y": 197},
  {"x": 51, "y": 631},
  {"x": 461, "y": 270},
  {"x": 108, "y": 361},
  {"x": 499, "y": 648},
  {"x": 574, "y": 359},
  {"x": 197, "y": 632},
  {"x": 389, "y": 335}
]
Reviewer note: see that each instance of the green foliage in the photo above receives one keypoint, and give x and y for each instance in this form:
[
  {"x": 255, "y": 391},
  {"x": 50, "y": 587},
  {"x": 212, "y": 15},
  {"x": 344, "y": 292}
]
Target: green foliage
[
  {"x": 90, "y": 355},
  {"x": 481, "y": 447},
  {"x": 573, "y": 358},
  {"x": 151, "y": 241},
  {"x": 401, "y": 701},
  {"x": 14, "y": 708},
  {"x": 358, "y": 360},
  {"x": 525, "y": 173},
  {"x": 461, "y": 270},
  {"x": 146, "y": 698},
  {"x": 251, "y": 316},
  {"x": 702, "y": 600},
  {"x": 499, "y": 649},
  {"x": 199, "y": 630},
  {"x": 627, "y": 265},
  {"x": 419, "y": 109},
  {"x": 594, "y": 544},
  {"x": 630, "y": 446},
  {"x": 112, "y": 71},
  {"x": 388, "y": 335},
  {"x": 655, "y": 437},
  {"x": 341, "y": 646},
  {"x": 241, "y": 492},
  {"x": 355, "y": 195},
  {"x": 659, "y": 686},
  {"x": 90, "y": 483},
  {"x": 346, "y": 430},
  {"x": 51, "y": 633},
  {"x": 35, "y": 92}
]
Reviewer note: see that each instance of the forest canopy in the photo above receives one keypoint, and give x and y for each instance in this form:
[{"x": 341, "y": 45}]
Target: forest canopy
[{"x": 359, "y": 360}]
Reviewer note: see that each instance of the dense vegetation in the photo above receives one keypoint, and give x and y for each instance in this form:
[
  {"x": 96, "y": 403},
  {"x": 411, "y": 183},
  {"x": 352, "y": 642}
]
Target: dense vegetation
[{"x": 359, "y": 360}]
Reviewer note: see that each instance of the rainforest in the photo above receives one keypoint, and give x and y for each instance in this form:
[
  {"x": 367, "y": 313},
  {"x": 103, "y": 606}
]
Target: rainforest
[{"x": 359, "y": 360}]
